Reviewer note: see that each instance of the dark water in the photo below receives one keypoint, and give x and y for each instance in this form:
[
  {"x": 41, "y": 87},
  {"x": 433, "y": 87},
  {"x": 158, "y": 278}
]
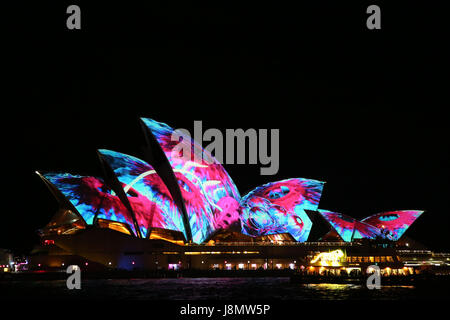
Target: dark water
[{"x": 211, "y": 289}]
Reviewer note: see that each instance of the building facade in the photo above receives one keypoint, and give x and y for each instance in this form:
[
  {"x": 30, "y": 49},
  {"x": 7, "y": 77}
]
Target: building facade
[{"x": 170, "y": 211}]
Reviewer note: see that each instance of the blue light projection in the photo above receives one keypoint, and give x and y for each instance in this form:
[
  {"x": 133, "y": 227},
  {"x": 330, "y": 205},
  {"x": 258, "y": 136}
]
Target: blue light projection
[
  {"x": 211, "y": 198},
  {"x": 393, "y": 224},
  {"x": 210, "y": 195},
  {"x": 278, "y": 207},
  {"x": 134, "y": 173},
  {"x": 343, "y": 225},
  {"x": 91, "y": 197},
  {"x": 349, "y": 228}
]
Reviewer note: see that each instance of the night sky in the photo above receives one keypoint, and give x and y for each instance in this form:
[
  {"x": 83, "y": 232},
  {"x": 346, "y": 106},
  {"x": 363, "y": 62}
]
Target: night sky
[{"x": 363, "y": 110}]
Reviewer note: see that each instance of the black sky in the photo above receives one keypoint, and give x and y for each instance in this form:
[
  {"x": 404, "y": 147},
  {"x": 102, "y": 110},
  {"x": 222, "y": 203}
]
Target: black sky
[{"x": 362, "y": 110}]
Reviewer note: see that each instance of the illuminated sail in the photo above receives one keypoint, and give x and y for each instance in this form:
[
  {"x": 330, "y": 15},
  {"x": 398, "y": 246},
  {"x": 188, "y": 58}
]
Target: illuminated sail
[
  {"x": 349, "y": 228},
  {"x": 393, "y": 224},
  {"x": 278, "y": 207},
  {"x": 94, "y": 199},
  {"x": 136, "y": 174},
  {"x": 210, "y": 196}
]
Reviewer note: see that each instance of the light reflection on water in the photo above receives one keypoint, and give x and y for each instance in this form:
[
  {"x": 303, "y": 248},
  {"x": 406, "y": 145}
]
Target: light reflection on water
[
  {"x": 332, "y": 286},
  {"x": 210, "y": 288},
  {"x": 333, "y": 291}
]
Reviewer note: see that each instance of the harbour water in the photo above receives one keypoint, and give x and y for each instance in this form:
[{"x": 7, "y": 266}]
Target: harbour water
[{"x": 198, "y": 289}]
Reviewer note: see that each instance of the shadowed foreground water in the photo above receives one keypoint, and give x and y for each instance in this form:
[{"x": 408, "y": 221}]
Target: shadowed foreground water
[{"x": 211, "y": 289}]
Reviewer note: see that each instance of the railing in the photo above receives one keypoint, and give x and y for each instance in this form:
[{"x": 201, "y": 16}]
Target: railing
[
  {"x": 441, "y": 254},
  {"x": 284, "y": 243},
  {"x": 415, "y": 251}
]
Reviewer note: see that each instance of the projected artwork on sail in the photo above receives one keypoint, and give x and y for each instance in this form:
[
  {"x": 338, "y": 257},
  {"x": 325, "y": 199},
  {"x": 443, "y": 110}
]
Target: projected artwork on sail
[
  {"x": 94, "y": 199},
  {"x": 210, "y": 196},
  {"x": 136, "y": 174},
  {"x": 278, "y": 207},
  {"x": 185, "y": 189},
  {"x": 393, "y": 224},
  {"x": 349, "y": 228}
]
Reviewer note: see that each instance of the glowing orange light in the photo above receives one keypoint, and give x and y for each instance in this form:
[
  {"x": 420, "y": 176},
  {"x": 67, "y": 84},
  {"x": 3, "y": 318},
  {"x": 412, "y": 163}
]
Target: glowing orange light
[{"x": 332, "y": 258}]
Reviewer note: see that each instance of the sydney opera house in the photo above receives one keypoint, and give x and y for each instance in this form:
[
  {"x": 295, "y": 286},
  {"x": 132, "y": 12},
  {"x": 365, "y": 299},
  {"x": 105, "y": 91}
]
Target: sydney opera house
[{"x": 166, "y": 211}]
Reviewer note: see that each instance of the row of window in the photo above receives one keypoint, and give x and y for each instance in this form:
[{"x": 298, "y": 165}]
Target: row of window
[{"x": 370, "y": 259}]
